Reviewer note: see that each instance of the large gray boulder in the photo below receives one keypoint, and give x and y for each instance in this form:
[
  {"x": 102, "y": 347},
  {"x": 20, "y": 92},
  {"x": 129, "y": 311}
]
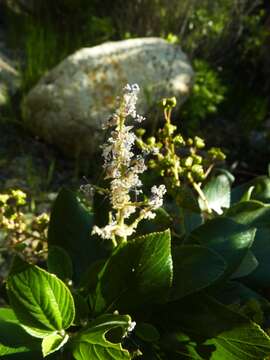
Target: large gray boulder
[{"x": 69, "y": 104}]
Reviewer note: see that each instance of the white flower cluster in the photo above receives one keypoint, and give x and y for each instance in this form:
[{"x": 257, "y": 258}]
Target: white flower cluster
[
  {"x": 123, "y": 167},
  {"x": 130, "y": 100}
]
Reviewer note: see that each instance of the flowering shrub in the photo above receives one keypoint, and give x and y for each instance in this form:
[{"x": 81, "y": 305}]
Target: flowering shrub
[
  {"x": 114, "y": 290},
  {"x": 180, "y": 161},
  {"x": 123, "y": 168},
  {"x": 20, "y": 230}
]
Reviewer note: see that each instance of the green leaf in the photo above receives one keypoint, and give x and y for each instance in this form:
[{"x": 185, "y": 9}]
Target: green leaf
[
  {"x": 59, "y": 263},
  {"x": 217, "y": 192},
  {"x": 40, "y": 300},
  {"x": 14, "y": 340},
  {"x": 241, "y": 343},
  {"x": 195, "y": 268},
  {"x": 235, "y": 293},
  {"x": 82, "y": 309},
  {"x": 147, "y": 332},
  {"x": 260, "y": 190},
  {"x": 52, "y": 343},
  {"x": 185, "y": 197},
  {"x": 7, "y": 314},
  {"x": 246, "y": 267},
  {"x": 255, "y": 214},
  {"x": 180, "y": 346},
  {"x": 89, "y": 279},
  {"x": 250, "y": 213},
  {"x": 227, "y": 238},
  {"x": 139, "y": 272},
  {"x": 188, "y": 221},
  {"x": 70, "y": 228},
  {"x": 225, "y": 333},
  {"x": 93, "y": 344}
]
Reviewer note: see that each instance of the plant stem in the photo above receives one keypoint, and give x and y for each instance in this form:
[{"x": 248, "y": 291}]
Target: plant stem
[{"x": 202, "y": 196}]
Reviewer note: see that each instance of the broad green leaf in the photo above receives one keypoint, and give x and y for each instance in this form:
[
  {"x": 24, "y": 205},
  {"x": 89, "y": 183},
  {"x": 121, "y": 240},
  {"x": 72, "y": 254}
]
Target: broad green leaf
[
  {"x": 59, "y": 263},
  {"x": 189, "y": 221},
  {"x": 241, "y": 343},
  {"x": 228, "y": 335},
  {"x": 70, "y": 228},
  {"x": 217, "y": 192},
  {"x": 260, "y": 192},
  {"x": 7, "y": 314},
  {"x": 13, "y": 339},
  {"x": 255, "y": 214},
  {"x": 246, "y": 267},
  {"x": 40, "y": 300},
  {"x": 250, "y": 213},
  {"x": 227, "y": 173},
  {"x": 89, "y": 279},
  {"x": 186, "y": 199},
  {"x": 139, "y": 272},
  {"x": 261, "y": 250},
  {"x": 227, "y": 238},
  {"x": 53, "y": 342},
  {"x": 180, "y": 346},
  {"x": 147, "y": 332},
  {"x": 235, "y": 293},
  {"x": 82, "y": 309},
  {"x": 93, "y": 344},
  {"x": 195, "y": 268}
]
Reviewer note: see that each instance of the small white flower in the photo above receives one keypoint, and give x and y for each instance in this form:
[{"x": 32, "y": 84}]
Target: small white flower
[
  {"x": 106, "y": 232},
  {"x": 147, "y": 214},
  {"x": 131, "y": 327},
  {"x": 156, "y": 200},
  {"x": 124, "y": 230},
  {"x": 140, "y": 118}
]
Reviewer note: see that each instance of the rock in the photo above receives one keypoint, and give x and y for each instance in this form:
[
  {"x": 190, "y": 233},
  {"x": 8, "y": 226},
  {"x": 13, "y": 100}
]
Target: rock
[
  {"x": 69, "y": 104},
  {"x": 9, "y": 79}
]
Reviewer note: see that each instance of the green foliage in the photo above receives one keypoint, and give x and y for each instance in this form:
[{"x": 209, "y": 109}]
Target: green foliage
[
  {"x": 207, "y": 24},
  {"x": 42, "y": 303},
  {"x": 256, "y": 35},
  {"x": 136, "y": 274},
  {"x": 207, "y": 93},
  {"x": 155, "y": 274},
  {"x": 213, "y": 323},
  {"x": 92, "y": 343},
  {"x": 42, "y": 53},
  {"x": 184, "y": 162},
  {"x": 14, "y": 340},
  {"x": 195, "y": 268},
  {"x": 217, "y": 194},
  {"x": 70, "y": 229},
  {"x": 22, "y": 230},
  {"x": 59, "y": 263},
  {"x": 50, "y": 31},
  {"x": 191, "y": 290}
]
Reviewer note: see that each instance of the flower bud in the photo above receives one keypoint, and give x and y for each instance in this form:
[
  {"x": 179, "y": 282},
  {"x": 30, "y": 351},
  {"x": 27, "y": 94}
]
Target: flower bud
[
  {"x": 199, "y": 142},
  {"x": 169, "y": 103}
]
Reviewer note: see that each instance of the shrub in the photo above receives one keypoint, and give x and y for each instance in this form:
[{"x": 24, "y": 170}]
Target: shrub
[
  {"x": 189, "y": 291},
  {"x": 22, "y": 231},
  {"x": 207, "y": 93}
]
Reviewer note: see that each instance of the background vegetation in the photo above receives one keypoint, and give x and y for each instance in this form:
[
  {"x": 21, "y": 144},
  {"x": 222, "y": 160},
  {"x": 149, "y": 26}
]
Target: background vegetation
[{"x": 227, "y": 41}]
